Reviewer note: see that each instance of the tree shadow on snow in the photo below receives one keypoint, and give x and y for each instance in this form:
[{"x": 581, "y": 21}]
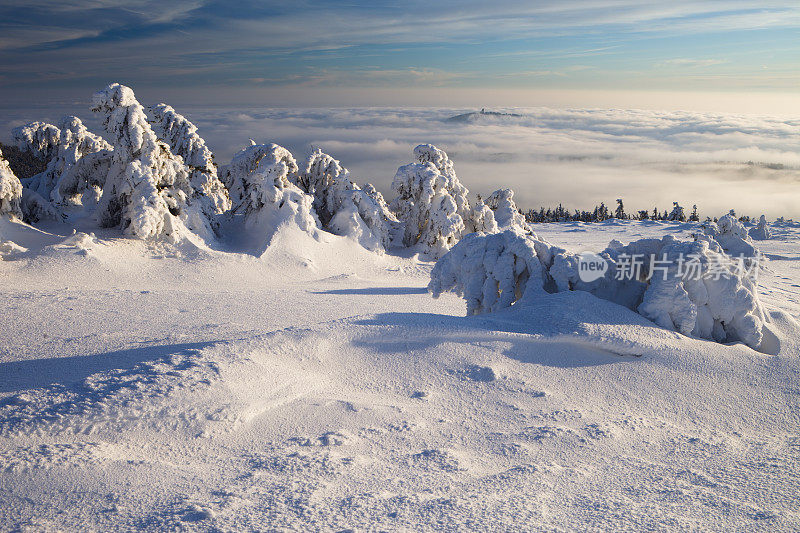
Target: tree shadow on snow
[{"x": 16, "y": 376}]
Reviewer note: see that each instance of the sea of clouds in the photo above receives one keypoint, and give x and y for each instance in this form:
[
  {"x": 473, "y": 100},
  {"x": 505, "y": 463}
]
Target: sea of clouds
[{"x": 577, "y": 157}]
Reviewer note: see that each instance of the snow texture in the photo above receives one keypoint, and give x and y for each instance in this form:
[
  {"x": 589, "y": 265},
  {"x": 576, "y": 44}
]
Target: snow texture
[
  {"x": 481, "y": 218},
  {"x": 10, "y": 191},
  {"x": 147, "y": 190},
  {"x": 430, "y": 202}
]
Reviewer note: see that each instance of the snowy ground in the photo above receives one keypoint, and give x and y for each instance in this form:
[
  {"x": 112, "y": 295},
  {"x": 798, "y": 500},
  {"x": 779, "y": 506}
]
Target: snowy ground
[{"x": 321, "y": 388}]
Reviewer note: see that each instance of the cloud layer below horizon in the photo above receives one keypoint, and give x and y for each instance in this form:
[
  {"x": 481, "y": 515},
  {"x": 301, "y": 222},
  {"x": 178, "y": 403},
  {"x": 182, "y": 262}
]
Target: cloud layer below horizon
[{"x": 576, "y": 157}]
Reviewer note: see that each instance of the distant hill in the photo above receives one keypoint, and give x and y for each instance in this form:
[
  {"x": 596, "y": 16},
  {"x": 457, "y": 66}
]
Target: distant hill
[{"x": 476, "y": 115}]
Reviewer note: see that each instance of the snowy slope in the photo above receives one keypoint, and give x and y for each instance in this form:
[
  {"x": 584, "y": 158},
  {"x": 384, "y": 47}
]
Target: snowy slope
[{"x": 319, "y": 387}]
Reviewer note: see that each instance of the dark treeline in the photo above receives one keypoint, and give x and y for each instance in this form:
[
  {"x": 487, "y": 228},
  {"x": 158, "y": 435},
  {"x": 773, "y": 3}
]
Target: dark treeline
[{"x": 602, "y": 212}]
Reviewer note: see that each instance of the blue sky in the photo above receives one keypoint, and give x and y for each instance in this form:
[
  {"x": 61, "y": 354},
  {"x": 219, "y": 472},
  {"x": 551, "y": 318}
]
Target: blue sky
[{"x": 309, "y": 52}]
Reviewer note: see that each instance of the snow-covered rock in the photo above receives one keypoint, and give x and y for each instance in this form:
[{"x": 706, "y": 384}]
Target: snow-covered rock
[
  {"x": 182, "y": 137},
  {"x": 430, "y": 201},
  {"x": 147, "y": 191},
  {"x": 342, "y": 206},
  {"x": 10, "y": 191},
  {"x": 761, "y": 232},
  {"x": 691, "y": 287},
  {"x": 505, "y": 210}
]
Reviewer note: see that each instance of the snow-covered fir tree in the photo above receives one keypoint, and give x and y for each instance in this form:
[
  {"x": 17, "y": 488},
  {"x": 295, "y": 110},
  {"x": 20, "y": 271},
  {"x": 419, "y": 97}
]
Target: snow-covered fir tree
[
  {"x": 761, "y": 232},
  {"x": 182, "y": 137},
  {"x": 342, "y": 206},
  {"x": 481, "y": 218},
  {"x": 620, "y": 211},
  {"x": 10, "y": 191},
  {"x": 147, "y": 191},
  {"x": 428, "y": 196},
  {"x": 677, "y": 214},
  {"x": 38, "y": 138}
]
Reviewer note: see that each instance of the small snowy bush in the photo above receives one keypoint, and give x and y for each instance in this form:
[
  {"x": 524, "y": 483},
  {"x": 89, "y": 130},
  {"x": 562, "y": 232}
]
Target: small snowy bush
[
  {"x": 10, "y": 191},
  {"x": 761, "y": 232},
  {"x": 430, "y": 201},
  {"x": 342, "y": 206},
  {"x": 505, "y": 210},
  {"x": 146, "y": 191},
  {"x": 690, "y": 287}
]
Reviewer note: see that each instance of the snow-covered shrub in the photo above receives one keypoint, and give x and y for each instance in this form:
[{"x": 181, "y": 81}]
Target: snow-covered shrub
[
  {"x": 75, "y": 142},
  {"x": 182, "y": 137},
  {"x": 147, "y": 191},
  {"x": 505, "y": 210},
  {"x": 761, "y": 232},
  {"x": 490, "y": 272},
  {"x": 429, "y": 201},
  {"x": 10, "y": 191},
  {"x": 260, "y": 180},
  {"x": 38, "y": 138},
  {"x": 481, "y": 218},
  {"x": 691, "y": 287},
  {"x": 730, "y": 234},
  {"x": 342, "y": 206}
]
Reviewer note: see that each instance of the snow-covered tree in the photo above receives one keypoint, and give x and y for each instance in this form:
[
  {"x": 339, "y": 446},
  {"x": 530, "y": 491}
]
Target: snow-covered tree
[
  {"x": 505, "y": 210},
  {"x": 182, "y": 137},
  {"x": 481, "y": 218},
  {"x": 147, "y": 191},
  {"x": 761, "y": 232},
  {"x": 260, "y": 179},
  {"x": 620, "y": 211},
  {"x": 427, "y": 202},
  {"x": 38, "y": 138},
  {"x": 74, "y": 142},
  {"x": 694, "y": 217},
  {"x": 342, "y": 206},
  {"x": 730, "y": 234},
  {"x": 677, "y": 213},
  {"x": 10, "y": 191}
]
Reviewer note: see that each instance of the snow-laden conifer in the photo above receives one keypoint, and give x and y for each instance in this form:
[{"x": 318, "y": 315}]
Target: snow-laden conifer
[{"x": 10, "y": 191}]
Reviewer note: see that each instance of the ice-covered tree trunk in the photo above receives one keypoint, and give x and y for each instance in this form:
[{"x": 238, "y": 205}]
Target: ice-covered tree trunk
[
  {"x": 506, "y": 213},
  {"x": 429, "y": 201},
  {"x": 342, "y": 206},
  {"x": 182, "y": 137},
  {"x": 38, "y": 138},
  {"x": 147, "y": 191},
  {"x": 10, "y": 191}
]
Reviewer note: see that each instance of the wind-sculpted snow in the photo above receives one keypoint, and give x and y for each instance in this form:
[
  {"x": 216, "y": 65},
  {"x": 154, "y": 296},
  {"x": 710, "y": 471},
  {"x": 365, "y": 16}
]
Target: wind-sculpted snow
[
  {"x": 10, "y": 191},
  {"x": 343, "y": 207},
  {"x": 147, "y": 191},
  {"x": 716, "y": 298}
]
